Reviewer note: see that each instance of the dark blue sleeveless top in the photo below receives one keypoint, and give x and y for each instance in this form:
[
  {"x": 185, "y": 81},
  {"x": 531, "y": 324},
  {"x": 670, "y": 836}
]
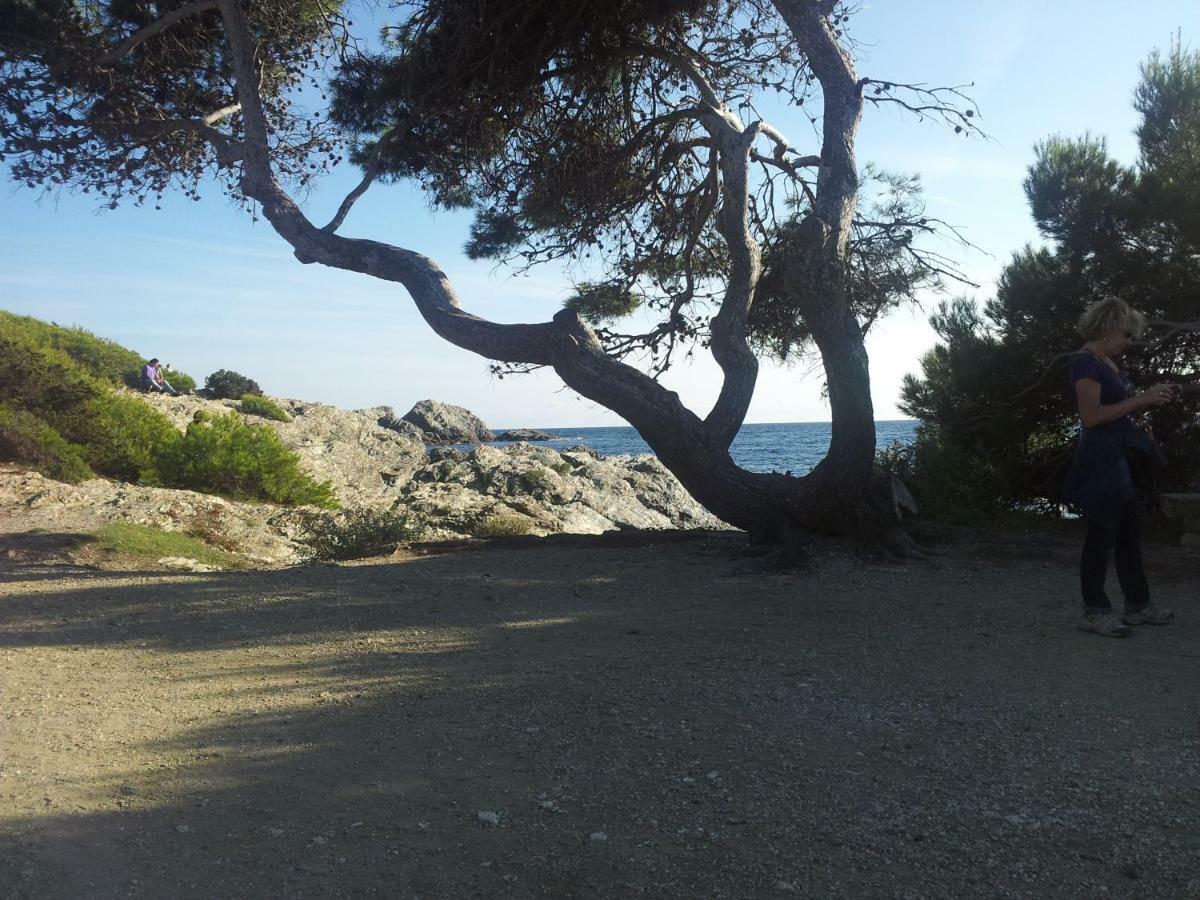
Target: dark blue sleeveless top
[{"x": 1100, "y": 482}]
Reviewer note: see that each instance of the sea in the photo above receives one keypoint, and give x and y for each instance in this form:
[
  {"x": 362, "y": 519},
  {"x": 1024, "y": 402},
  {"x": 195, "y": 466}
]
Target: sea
[{"x": 794, "y": 447}]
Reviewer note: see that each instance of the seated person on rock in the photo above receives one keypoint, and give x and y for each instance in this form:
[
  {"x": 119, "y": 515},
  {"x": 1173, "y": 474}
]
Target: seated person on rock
[{"x": 153, "y": 380}]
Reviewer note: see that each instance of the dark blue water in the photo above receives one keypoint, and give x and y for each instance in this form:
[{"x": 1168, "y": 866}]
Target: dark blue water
[{"x": 779, "y": 447}]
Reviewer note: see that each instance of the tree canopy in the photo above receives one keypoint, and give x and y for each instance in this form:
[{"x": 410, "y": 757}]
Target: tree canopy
[
  {"x": 996, "y": 385},
  {"x": 128, "y": 99},
  {"x": 592, "y": 143}
]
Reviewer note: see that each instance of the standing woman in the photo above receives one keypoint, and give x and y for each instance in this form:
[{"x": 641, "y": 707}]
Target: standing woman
[{"x": 1100, "y": 481}]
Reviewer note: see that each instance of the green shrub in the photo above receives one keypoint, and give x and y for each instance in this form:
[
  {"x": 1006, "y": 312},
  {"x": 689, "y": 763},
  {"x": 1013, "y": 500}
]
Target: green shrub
[
  {"x": 122, "y": 436},
  {"x": 182, "y": 382},
  {"x": 263, "y": 406},
  {"x": 118, "y": 435},
  {"x": 142, "y": 540},
  {"x": 947, "y": 481},
  {"x": 354, "y": 535},
  {"x": 502, "y": 525},
  {"x": 26, "y": 439},
  {"x": 226, "y": 385},
  {"x": 562, "y": 468},
  {"x": 221, "y": 454},
  {"x": 41, "y": 380},
  {"x": 896, "y": 459},
  {"x": 55, "y": 388}
]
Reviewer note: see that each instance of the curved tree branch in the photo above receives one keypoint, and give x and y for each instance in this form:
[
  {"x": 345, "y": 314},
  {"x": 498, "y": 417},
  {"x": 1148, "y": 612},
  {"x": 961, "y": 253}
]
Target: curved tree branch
[
  {"x": 218, "y": 115},
  {"x": 837, "y": 177},
  {"x": 370, "y": 173},
  {"x": 693, "y": 74}
]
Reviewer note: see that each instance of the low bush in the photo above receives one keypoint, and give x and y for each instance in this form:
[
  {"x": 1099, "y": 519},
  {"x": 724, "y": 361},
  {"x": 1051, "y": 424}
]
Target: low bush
[
  {"x": 118, "y": 435},
  {"x": 122, "y": 436},
  {"x": 502, "y": 525},
  {"x": 26, "y": 439},
  {"x": 223, "y": 455},
  {"x": 948, "y": 482},
  {"x": 896, "y": 459},
  {"x": 183, "y": 383},
  {"x": 226, "y": 385},
  {"x": 255, "y": 405},
  {"x": 142, "y": 540},
  {"x": 41, "y": 380},
  {"x": 354, "y": 535}
]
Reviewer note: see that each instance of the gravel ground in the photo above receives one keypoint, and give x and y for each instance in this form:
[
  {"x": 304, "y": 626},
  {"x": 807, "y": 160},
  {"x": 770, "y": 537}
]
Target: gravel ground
[{"x": 582, "y": 718}]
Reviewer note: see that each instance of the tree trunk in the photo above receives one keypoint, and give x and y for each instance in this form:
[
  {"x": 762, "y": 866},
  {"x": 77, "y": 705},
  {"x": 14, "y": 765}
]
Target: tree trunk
[{"x": 815, "y": 273}]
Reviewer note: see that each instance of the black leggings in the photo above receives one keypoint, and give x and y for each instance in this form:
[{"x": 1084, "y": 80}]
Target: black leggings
[{"x": 1124, "y": 541}]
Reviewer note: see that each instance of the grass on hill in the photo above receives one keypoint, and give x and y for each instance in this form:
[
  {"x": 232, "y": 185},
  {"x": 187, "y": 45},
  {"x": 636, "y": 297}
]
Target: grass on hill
[
  {"x": 499, "y": 525},
  {"x": 141, "y": 540}
]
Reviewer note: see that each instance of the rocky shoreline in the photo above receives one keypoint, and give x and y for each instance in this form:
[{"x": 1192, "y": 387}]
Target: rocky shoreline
[{"x": 374, "y": 465}]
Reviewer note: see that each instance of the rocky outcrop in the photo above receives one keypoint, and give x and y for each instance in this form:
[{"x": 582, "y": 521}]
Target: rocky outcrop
[
  {"x": 548, "y": 491},
  {"x": 525, "y": 434},
  {"x": 257, "y": 531},
  {"x": 442, "y": 423},
  {"x": 387, "y": 418},
  {"x": 452, "y": 493},
  {"x": 363, "y": 461}
]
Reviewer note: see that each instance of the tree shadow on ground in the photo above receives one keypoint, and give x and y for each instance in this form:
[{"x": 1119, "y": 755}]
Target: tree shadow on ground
[{"x": 649, "y": 720}]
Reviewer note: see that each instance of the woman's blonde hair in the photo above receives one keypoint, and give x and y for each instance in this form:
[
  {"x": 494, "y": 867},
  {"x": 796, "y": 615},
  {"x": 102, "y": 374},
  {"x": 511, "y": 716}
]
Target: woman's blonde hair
[{"x": 1108, "y": 315}]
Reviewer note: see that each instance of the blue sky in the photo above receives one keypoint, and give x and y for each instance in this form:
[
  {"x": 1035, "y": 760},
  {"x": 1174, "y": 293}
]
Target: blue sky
[{"x": 200, "y": 285}]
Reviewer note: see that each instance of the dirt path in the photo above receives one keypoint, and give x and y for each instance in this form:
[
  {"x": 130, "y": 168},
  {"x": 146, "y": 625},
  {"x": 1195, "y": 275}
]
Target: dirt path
[{"x": 584, "y": 720}]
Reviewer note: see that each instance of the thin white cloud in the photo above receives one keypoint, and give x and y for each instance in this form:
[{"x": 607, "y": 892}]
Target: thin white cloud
[
  {"x": 267, "y": 249},
  {"x": 970, "y": 161}
]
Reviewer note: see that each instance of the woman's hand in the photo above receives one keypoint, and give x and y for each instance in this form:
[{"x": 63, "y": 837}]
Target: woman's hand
[{"x": 1160, "y": 393}]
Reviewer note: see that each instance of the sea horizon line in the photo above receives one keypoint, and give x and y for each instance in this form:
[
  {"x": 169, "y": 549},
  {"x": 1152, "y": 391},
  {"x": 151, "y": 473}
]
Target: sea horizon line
[{"x": 626, "y": 425}]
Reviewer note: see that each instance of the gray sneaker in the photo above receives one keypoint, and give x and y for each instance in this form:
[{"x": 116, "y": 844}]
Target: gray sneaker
[
  {"x": 1106, "y": 625},
  {"x": 1147, "y": 615}
]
